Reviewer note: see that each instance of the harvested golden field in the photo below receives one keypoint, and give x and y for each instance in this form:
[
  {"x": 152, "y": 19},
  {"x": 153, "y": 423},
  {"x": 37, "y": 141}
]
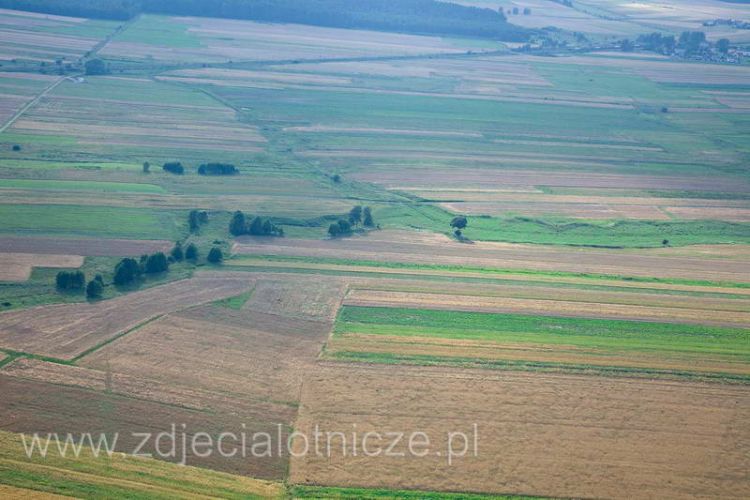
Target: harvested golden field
[
  {"x": 67, "y": 330},
  {"x": 17, "y": 266},
  {"x": 538, "y": 434}
]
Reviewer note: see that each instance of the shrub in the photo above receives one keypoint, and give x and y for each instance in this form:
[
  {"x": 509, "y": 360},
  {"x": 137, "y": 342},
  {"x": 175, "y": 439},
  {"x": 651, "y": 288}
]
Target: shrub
[
  {"x": 94, "y": 289},
  {"x": 156, "y": 263},
  {"x": 215, "y": 256},
  {"x": 191, "y": 252},
  {"x": 70, "y": 280},
  {"x": 174, "y": 167},
  {"x": 126, "y": 271},
  {"x": 177, "y": 253}
]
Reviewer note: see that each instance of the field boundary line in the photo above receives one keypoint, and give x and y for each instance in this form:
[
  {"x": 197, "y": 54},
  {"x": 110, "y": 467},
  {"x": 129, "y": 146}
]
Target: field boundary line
[
  {"x": 116, "y": 337},
  {"x": 33, "y": 102}
]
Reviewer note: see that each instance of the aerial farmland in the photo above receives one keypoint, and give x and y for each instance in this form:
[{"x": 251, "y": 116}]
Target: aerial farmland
[{"x": 448, "y": 250}]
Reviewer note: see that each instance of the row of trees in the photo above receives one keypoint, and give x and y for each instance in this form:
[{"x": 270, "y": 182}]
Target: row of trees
[
  {"x": 410, "y": 16},
  {"x": 257, "y": 226},
  {"x": 357, "y": 216},
  {"x": 218, "y": 169},
  {"x": 692, "y": 42},
  {"x": 76, "y": 281}
]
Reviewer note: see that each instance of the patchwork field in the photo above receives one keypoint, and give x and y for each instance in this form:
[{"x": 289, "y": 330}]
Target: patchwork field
[{"x": 592, "y": 318}]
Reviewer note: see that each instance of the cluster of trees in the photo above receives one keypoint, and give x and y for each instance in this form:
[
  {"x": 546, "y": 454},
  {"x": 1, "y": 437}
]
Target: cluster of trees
[
  {"x": 70, "y": 280},
  {"x": 174, "y": 167},
  {"x": 217, "y": 169},
  {"x": 196, "y": 218},
  {"x": 95, "y": 67},
  {"x": 410, "y": 16},
  {"x": 689, "y": 41},
  {"x": 76, "y": 281},
  {"x": 256, "y": 226},
  {"x": 357, "y": 216},
  {"x": 128, "y": 269}
]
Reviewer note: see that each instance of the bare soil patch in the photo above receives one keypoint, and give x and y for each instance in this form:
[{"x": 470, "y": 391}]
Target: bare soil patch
[
  {"x": 81, "y": 246},
  {"x": 17, "y": 266}
]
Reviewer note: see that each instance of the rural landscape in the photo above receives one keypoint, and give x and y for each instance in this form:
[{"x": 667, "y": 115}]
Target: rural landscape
[{"x": 486, "y": 249}]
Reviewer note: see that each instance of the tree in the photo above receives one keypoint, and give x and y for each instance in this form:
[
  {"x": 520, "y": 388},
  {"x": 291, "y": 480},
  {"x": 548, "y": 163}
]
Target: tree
[
  {"x": 256, "y": 227},
  {"x": 368, "y": 222},
  {"x": 95, "y": 67},
  {"x": 126, "y": 271},
  {"x": 665, "y": 242},
  {"x": 237, "y": 225},
  {"x": 459, "y": 222},
  {"x": 146, "y": 167},
  {"x": 336, "y": 178},
  {"x": 217, "y": 169},
  {"x": 334, "y": 230},
  {"x": 70, "y": 280},
  {"x": 722, "y": 45},
  {"x": 177, "y": 253},
  {"x": 156, "y": 263},
  {"x": 355, "y": 215},
  {"x": 215, "y": 256},
  {"x": 526, "y": 11},
  {"x": 344, "y": 226},
  {"x": 626, "y": 45},
  {"x": 94, "y": 289},
  {"x": 191, "y": 252},
  {"x": 174, "y": 167},
  {"x": 16, "y": 147}
]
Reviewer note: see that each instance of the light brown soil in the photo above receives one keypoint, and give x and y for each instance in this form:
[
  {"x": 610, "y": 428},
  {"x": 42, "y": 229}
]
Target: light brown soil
[
  {"x": 83, "y": 246},
  {"x": 538, "y": 434},
  {"x": 66, "y": 330},
  {"x": 17, "y": 266}
]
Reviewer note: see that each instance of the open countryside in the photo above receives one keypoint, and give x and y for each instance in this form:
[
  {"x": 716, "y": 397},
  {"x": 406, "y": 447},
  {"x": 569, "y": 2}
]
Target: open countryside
[{"x": 515, "y": 233}]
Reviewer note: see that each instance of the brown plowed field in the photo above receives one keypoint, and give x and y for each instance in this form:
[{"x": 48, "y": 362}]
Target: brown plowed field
[
  {"x": 87, "y": 247},
  {"x": 538, "y": 434},
  {"x": 17, "y": 266}
]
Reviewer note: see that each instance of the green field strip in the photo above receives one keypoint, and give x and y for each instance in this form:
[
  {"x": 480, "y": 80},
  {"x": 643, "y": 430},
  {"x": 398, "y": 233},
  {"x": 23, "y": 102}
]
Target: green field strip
[
  {"x": 536, "y": 366},
  {"x": 250, "y": 260},
  {"x": 336, "y": 493}
]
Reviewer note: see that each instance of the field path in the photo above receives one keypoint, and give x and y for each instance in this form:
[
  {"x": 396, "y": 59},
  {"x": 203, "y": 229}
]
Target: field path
[{"x": 32, "y": 102}]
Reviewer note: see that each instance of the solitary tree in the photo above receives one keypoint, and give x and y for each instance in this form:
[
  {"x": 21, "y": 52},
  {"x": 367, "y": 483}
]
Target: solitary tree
[
  {"x": 94, "y": 289},
  {"x": 126, "y": 271},
  {"x": 191, "y": 252},
  {"x": 156, "y": 263},
  {"x": 146, "y": 167},
  {"x": 368, "y": 222},
  {"x": 177, "y": 253},
  {"x": 237, "y": 225},
  {"x": 459, "y": 222},
  {"x": 355, "y": 215},
  {"x": 215, "y": 256}
]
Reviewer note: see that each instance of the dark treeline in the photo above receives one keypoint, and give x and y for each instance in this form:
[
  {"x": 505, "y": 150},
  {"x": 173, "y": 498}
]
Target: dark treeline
[
  {"x": 120, "y": 10},
  {"x": 218, "y": 169},
  {"x": 409, "y": 16}
]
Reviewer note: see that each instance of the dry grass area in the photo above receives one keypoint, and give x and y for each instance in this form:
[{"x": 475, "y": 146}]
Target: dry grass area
[
  {"x": 81, "y": 246},
  {"x": 17, "y": 266},
  {"x": 67, "y": 330},
  {"x": 425, "y": 248},
  {"x": 538, "y": 434}
]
